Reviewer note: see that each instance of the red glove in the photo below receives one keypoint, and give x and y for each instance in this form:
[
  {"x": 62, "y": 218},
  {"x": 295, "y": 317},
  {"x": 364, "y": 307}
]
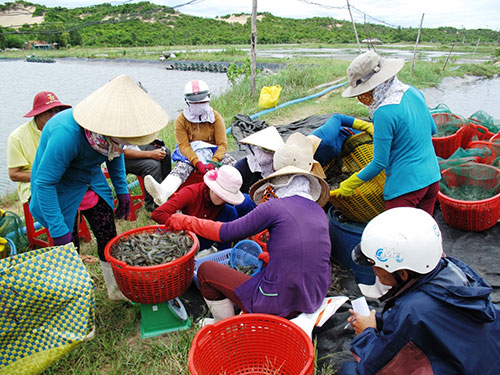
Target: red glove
[
  {"x": 201, "y": 167},
  {"x": 205, "y": 228},
  {"x": 264, "y": 256},
  {"x": 210, "y": 166}
]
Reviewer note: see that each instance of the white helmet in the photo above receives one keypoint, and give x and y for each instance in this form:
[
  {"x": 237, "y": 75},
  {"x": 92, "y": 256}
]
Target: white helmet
[
  {"x": 402, "y": 238},
  {"x": 196, "y": 91}
]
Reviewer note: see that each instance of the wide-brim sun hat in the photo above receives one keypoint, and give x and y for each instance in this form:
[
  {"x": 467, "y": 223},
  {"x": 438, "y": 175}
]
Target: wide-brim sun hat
[
  {"x": 320, "y": 191},
  {"x": 369, "y": 70},
  {"x": 317, "y": 169},
  {"x": 225, "y": 182},
  {"x": 296, "y": 151},
  {"x": 121, "y": 109},
  {"x": 45, "y": 101},
  {"x": 268, "y": 138}
]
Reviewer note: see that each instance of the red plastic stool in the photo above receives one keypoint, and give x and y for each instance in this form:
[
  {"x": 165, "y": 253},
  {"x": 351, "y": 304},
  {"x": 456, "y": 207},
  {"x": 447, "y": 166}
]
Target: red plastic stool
[
  {"x": 136, "y": 201},
  {"x": 34, "y": 234}
]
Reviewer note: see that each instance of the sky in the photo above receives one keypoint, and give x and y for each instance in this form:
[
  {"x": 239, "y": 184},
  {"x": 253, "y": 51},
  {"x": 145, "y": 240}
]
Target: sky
[{"x": 468, "y": 14}]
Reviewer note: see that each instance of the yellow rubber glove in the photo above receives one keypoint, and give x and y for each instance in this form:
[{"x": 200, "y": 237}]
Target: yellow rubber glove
[
  {"x": 363, "y": 126},
  {"x": 347, "y": 187}
]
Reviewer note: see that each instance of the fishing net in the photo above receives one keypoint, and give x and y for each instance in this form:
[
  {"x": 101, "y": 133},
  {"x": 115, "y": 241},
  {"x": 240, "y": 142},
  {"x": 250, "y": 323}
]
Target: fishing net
[
  {"x": 447, "y": 123},
  {"x": 11, "y": 226},
  {"x": 483, "y": 118},
  {"x": 440, "y": 108},
  {"x": 471, "y": 182}
]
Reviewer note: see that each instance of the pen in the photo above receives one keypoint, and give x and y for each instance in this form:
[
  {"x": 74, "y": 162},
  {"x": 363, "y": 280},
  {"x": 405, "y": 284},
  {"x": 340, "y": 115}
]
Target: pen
[{"x": 350, "y": 323}]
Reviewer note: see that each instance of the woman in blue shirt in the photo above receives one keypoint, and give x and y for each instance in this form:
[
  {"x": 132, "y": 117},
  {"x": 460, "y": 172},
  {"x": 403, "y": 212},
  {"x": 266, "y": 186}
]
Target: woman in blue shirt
[{"x": 402, "y": 138}]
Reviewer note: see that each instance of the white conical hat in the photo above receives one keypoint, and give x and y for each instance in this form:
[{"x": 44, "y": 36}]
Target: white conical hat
[
  {"x": 122, "y": 109},
  {"x": 268, "y": 138}
]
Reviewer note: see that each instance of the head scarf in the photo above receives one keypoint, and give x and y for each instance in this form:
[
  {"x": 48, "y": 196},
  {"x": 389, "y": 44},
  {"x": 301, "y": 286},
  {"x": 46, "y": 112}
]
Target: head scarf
[
  {"x": 103, "y": 144},
  {"x": 297, "y": 185},
  {"x": 388, "y": 92},
  {"x": 199, "y": 112},
  {"x": 260, "y": 160}
]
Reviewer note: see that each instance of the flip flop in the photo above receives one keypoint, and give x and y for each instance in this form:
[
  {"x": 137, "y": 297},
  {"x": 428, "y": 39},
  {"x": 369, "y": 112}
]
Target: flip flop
[{"x": 89, "y": 259}]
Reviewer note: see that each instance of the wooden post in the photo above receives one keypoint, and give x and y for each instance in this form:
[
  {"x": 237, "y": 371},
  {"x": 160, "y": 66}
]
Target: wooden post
[
  {"x": 416, "y": 44},
  {"x": 253, "y": 47},
  {"x": 477, "y": 44},
  {"x": 354, "y": 26},
  {"x": 448, "y": 57}
]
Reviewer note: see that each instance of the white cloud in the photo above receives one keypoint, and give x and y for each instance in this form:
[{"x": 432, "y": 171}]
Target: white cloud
[{"x": 457, "y": 13}]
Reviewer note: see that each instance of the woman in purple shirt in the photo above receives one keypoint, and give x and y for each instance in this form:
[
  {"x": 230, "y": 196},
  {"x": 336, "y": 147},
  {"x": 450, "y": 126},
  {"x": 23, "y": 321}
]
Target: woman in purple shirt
[{"x": 298, "y": 274}]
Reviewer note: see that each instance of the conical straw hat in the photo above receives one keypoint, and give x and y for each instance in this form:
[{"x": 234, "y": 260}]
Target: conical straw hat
[
  {"x": 268, "y": 138},
  {"x": 121, "y": 108}
]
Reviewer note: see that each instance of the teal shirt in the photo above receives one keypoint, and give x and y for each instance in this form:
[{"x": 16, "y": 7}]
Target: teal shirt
[
  {"x": 403, "y": 147},
  {"x": 65, "y": 167}
]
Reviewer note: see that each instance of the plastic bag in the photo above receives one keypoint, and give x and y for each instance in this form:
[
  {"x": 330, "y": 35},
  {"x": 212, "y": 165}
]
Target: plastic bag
[
  {"x": 269, "y": 96},
  {"x": 47, "y": 306}
]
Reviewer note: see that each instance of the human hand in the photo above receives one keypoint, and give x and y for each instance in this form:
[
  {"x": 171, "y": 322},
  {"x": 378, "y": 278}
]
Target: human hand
[
  {"x": 347, "y": 187},
  {"x": 123, "y": 208},
  {"x": 210, "y": 166},
  {"x": 363, "y": 126},
  {"x": 361, "y": 322},
  {"x": 63, "y": 240},
  {"x": 176, "y": 222},
  {"x": 158, "y": 154},
  {"x": 201, "y": 167}
]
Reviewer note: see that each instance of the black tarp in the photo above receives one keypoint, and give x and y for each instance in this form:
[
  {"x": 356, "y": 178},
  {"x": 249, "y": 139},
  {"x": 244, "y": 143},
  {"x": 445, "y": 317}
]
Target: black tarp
[{"x": 480, "y": 250}]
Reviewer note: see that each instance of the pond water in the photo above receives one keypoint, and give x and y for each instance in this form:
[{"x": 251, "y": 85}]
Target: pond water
[{"x": 72, "y": 80}]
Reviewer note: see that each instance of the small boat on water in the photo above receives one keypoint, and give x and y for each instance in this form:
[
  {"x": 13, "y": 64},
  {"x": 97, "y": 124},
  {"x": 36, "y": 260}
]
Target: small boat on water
[{"x": 33, "y": 58}]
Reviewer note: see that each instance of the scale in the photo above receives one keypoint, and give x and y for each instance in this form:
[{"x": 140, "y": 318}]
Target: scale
[{"x": 160, "y": 318}]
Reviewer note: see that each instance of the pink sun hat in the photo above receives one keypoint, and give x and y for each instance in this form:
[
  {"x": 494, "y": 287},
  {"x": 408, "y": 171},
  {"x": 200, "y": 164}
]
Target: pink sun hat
[
  {"x": 225, "y": 182},
  {"x": 44, "y": 101}
]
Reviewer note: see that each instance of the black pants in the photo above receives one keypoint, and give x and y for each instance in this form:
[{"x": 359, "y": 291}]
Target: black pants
[{"x": 158, "y": 169}]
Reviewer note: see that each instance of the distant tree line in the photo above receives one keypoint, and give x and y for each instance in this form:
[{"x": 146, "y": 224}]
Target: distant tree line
[{"x": 147, "y": 24}]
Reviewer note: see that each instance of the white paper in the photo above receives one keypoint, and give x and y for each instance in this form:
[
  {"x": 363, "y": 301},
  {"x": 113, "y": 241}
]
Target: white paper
[{"x": 360, "y": 306}]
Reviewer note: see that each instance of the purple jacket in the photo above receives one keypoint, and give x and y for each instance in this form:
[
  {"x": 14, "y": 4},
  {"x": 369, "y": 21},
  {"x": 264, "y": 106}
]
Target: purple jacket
[{"x": 298, "y": 274}]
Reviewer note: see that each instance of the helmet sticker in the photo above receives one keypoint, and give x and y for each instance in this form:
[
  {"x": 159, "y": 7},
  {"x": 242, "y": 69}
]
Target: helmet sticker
[{"x": 384, "y": 255}]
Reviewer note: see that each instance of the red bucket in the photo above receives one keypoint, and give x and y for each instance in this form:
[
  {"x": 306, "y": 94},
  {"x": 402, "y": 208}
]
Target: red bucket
[
  {"x": 152, "y": 284},
  {"x": 471, "y": 215},
  {"x": 252, "y": 344}
]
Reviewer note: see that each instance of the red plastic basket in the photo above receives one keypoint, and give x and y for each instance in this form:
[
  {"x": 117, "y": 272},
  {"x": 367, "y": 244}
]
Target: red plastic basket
[
  {"x": 153, "y": 284},
  {"x": 251, "y": 344},
  {"x": 495, "y": 138},
  {"x": 471, "y": 215},
  {"x": 475, "y": 132},
  {"x": 494, "y": 151},
  {"x": 261, "y": 238},
  {"x": 446, "y": 146}
]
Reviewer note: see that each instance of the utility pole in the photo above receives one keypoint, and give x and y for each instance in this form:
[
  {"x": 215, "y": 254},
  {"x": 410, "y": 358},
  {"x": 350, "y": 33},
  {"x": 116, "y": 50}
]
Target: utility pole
[
  {"x": 253, "y": 46},
  {"x": 353, "y": 25},
  {"x": 416, "y": 44}
]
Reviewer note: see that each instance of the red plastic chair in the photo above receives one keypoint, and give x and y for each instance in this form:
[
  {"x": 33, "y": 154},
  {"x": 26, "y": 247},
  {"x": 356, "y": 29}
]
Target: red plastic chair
[
  {"x": 136, "y": 201},
  {"x": 35, "y": 234}
]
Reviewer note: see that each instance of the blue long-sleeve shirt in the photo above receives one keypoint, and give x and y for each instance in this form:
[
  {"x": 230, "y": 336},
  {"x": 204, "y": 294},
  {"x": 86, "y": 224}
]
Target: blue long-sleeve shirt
[
  {"x": 333, "y": 134},
  {"x": 402, "y": 146},
  {"x": 65, "y": 167}
]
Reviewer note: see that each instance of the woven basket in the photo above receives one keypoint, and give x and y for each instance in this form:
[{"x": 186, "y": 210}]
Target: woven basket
[{"x": 367, "y": 201}]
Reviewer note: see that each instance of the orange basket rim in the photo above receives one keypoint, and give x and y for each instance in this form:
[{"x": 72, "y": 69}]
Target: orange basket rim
[{"x": 125, "y": 266}]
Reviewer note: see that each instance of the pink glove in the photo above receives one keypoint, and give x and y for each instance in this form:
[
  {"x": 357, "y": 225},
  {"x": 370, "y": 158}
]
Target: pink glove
[
  {"x": 67, "y": 238},
  {"x": 205, "y": 228},
  {"x": 201, "y": 167},
  {"x": 264, "y": 256},
  {"x": 123, "y": 206}
]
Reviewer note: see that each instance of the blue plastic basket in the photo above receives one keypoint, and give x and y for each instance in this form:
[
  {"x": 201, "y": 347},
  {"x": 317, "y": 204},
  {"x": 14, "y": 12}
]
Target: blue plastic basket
[
  {"x": 246, "y": 253},
  {"x": 221, "y": 257}
]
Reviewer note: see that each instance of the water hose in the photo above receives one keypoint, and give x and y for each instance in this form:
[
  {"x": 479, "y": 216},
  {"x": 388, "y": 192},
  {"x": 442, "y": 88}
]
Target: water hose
[{"x": 295, "y": 101}]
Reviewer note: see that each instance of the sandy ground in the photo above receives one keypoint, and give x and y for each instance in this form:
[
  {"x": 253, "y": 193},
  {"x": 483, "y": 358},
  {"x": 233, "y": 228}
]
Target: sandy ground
[
  {"x": 239, "y": 19},
  {"x": 18, "y": 17}
]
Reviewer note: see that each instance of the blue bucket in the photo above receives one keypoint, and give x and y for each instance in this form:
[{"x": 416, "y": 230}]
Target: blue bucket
[{"x": 345, "y": 235}]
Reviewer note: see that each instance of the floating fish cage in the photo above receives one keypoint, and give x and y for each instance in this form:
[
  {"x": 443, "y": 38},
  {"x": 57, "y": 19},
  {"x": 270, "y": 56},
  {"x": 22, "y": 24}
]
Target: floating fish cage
[{"x": 152, "y": 284}]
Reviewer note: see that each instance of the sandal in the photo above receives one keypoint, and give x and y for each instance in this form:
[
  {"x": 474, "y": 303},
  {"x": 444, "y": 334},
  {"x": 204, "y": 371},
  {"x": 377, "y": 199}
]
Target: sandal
[{"x": 89, "y": 259}]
